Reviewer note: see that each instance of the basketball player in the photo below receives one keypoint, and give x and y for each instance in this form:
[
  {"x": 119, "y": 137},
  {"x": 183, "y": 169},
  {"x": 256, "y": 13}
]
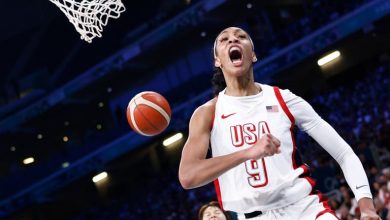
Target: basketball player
[
  {"x": 212, "y": 211},
  {"x": 253, "y": 164}
]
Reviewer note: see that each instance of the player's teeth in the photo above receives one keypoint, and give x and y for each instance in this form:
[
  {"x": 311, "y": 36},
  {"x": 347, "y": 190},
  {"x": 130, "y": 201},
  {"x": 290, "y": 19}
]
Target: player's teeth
[{"x": 233, "y": 49}]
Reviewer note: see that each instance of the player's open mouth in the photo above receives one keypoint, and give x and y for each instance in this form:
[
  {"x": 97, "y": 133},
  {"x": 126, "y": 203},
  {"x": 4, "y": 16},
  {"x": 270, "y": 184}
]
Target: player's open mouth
[{"x": 235, "y": 55}]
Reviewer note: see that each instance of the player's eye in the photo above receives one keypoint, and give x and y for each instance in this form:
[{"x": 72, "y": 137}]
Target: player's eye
[
  {"x": 223, "y": 39},
  {"x": 242, "y": 36}
]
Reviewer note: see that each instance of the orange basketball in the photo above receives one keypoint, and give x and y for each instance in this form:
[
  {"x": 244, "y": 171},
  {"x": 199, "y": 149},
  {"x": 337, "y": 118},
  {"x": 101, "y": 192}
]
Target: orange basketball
[{"x": 148, "y": 113}]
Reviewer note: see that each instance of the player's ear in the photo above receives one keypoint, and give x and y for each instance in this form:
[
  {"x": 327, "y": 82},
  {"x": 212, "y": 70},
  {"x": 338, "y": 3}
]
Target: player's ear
[
  {"x": 254, "y": 58},
  {"x": 217, "y": 62}
]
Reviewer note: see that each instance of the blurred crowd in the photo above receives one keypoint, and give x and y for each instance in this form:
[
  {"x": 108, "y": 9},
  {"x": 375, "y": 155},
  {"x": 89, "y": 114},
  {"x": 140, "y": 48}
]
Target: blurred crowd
[{"x": 276, "y": 34}]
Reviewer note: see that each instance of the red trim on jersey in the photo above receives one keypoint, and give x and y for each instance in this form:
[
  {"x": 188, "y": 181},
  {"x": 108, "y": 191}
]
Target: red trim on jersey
[
  {"x": 326, "y": 211},
  {"x": 305, "y": 168},
  {"x": 311, "y": 181},
  {"x": 305, "y": 174},
  {"x": 292, "y": 119},
  {"x": 216, "y": 182},
  {"x": 294, "y": 146},
  {"x": 324, "y": 201},
  {"x": 283, "y": 105},
  {"x": 212, "y": 122},
  {"x": 218, "y": 192},
  {"x": 213, "y": 118}
]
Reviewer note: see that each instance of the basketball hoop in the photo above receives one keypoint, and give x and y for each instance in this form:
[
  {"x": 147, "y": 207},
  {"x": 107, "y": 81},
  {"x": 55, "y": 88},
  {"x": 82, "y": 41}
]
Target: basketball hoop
[{"x": 90, "y": 16}]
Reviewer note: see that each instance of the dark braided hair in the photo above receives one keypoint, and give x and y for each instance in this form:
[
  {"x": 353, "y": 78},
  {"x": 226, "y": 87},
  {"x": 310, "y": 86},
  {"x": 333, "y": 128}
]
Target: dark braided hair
[{"x": 218, "y": 81}]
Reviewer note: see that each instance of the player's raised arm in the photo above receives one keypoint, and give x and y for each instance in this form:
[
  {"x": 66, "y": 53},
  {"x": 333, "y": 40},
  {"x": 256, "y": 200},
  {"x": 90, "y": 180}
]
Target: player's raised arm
[{"x": 308, "y": 120}]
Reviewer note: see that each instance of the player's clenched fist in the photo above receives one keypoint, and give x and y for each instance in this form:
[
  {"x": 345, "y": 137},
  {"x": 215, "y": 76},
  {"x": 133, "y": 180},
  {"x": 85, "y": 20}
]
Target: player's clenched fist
[{"x": 267, "y": 145}]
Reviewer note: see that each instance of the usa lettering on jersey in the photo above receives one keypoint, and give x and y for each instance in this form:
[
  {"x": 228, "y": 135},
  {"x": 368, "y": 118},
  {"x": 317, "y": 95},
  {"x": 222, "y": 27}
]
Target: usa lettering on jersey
[{"x": 249, "y": 133}]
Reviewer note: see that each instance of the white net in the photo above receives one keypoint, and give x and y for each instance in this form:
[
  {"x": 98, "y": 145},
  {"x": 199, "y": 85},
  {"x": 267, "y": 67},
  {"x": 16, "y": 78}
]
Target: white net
[{"x": 90, "y": 16}]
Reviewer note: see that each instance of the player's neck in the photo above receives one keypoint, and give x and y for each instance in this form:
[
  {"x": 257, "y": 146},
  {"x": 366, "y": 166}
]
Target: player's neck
[{"x": 242, "y": 87}]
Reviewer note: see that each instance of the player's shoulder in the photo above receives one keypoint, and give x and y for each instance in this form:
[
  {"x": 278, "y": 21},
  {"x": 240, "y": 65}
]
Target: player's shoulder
[
  {"x": 208, "y": 107},
  {"x": 206, "y": 110},
  {"x": 285, "y": 92},
  {"x": 273, "y": 88}
]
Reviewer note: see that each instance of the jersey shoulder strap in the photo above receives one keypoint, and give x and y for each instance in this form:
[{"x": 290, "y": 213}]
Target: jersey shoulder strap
[{"x": 283, "y": 104}]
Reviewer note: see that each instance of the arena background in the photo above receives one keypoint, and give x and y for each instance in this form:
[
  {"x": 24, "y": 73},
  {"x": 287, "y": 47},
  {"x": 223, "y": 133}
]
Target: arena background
[{"x": 63, "y": 101}]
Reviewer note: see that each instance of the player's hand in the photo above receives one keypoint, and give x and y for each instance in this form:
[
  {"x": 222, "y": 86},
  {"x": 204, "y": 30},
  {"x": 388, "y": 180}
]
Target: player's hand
[
  {"x": 268, "y": 145},
  {"x": 369, "y": 216}
]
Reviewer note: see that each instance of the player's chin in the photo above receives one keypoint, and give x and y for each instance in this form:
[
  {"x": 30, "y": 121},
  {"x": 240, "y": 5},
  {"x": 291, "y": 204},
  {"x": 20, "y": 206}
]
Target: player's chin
[{"x": 240, "y": 71}]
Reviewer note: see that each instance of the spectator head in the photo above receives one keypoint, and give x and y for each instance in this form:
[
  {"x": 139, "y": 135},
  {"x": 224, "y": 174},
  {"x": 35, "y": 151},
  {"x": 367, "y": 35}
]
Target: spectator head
[
  {"x": 386, "y": 173},
  {"x": 212, "y": 210}
]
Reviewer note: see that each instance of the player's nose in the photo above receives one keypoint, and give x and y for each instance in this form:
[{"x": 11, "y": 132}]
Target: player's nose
[{"x": 233, "y": 39}]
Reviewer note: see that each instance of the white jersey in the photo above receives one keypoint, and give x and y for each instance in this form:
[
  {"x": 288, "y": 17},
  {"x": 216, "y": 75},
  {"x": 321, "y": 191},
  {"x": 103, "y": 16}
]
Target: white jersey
[
  {"x": 279, "y": 180},
  {"x": 264, "y": 184}
]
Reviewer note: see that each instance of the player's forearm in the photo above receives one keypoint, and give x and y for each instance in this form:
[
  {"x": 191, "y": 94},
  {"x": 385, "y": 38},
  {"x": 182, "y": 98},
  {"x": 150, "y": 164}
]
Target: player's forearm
[
  {"x": 355, "y": 175},
  {"x": 350, "y": 164},
  {"x": 200, "y": 172}
]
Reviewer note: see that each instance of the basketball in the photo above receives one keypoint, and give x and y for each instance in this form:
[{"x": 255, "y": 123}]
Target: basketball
[{"x": 148, "y": 113}]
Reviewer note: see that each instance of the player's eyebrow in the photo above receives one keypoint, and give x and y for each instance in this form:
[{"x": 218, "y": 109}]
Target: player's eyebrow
[
  {"x": 234, "y": 32},
  {"x": 221, "y": 33}
]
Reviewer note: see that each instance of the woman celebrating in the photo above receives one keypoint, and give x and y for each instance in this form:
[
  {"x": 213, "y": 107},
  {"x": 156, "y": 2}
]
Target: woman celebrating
[{"x": 253, "y": 164}]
